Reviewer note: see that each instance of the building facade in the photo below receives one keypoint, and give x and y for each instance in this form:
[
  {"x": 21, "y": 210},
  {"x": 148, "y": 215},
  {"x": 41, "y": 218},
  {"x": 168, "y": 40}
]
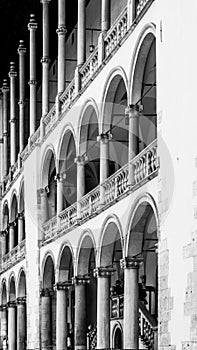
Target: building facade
[{"x": 98, "y": 226}]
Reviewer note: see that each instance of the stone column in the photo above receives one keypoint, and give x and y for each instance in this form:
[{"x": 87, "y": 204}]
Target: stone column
[
  {"x": 21, "y": 234},
  {"x": 44, "y": 205},
  {"x": 61, "y": 315},
  {"x": 12, "y": 76},
  {"x": 45, "y": 58},
  {"x": 131, "y": 5},
  {"x": 21, "y": 323},
  {"x": 80, "y": 327},
  {"x": 105, "y": 15},
  {"x": 61, "y": 31},
  {"x": 131, "y": 297},
  {"x": 46, "y": 335},
  {"x": 132, "y": 112},
  {"x": 32, "y": 26},
  {"x": 5, "y": 91},
  {"x": 4, "y": 325},
  {"x": 11, "y": 236},
  {"x": 80, "y": 161},
  {"x": 1, "y": 141},
  {"x": 60, "y": 193},
  {"x": 3, "y": 243},
  {"x": 11, "y": 326},
  {"x": 104, "y": 162},
  {"x": 81, "y": 33},
  {"x": 103, "y": 306},
  {"x": 21, "y": 52}
]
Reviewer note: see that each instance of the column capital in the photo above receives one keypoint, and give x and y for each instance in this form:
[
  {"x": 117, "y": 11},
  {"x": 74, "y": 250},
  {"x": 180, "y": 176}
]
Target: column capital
[
  {"x": 45, "y": 292},
  {"x": 3, "y": 233},
  {"x": 21, "y": 300},
  {"x": 42, "y": 191},
  {"x": 60, "y": 177},
  {"x": 103, "y": 271},
  {"x": 132, "y": 111},
  {"x": 105, "y": 137},
  {"x": 131, "y": 263},
  {"x": 45, "y": 60},
  {"x": 45, "y": 1},
  {"x": 21, "y": 215},
  {"x": 81, "y": 159},
  {"x": 3, "y": 307},
  {"x": 62, "y": 285},
  {"x": 12, "y": 224},
  {"x": 5, "y": 134},
  {"x": 13, "y": 120},
  {"x": 21, "y": 103},
  {"x": 5, "y": 87},
  {"x": 11, "y": 304},
  {"x": 21, "y": 49},
  {"x": 80, "y": 279},
  {"x": 32, "y": 82},
  {"x": 1, "y": 140},
  {"x": 61, "y": 30},
  {"x": 12, "y": 73},
  {"x": 32, "y": 25}
]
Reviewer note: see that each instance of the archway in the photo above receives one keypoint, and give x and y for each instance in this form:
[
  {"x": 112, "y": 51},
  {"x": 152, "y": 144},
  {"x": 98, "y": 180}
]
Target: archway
[
  {"x": 90, "y": 147},
  {"x": 144, "y": 91},
  {"x": 117, "y": 339},
  {"x": 49, "y": 183},
  {"x": 68, "y": 169},
  {"x": 4, "y": 313},
  {"x": 114, "y": 123},
  {"x": 21, "y": 311},
  {"x": 21, "y": 213},
  {"x": 5, "y": 227},
  {"x": 14, "y": 219}
]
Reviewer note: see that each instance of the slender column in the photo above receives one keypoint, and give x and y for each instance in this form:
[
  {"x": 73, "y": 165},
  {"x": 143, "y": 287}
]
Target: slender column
[
  {"x": 11, "y": 326},
  {"x": 21, "y": 323},
  {"x": 1, "y": 140},
  {"x": 45, "y": 319},
  {"x": 21, "y": 52},
  {"x": 131, "y": 297},
  {"x": 61, "y": 315},
  {"x": 5, "y": 91},
  {"x": 44, "y": 205},
  {"x": 80, "y": 328},
  {"x": 80, "y": 161},
  {"x": 61, "y": 31},
  {"x": 32, "y": 26},
  {"x": 11, "y": 236},
  {"x": 131, "y": 5},
  {"x": 103, "y": 306},
  {"x": 45, "y": 59},
  {"x": 20, "y": 227},
  {"x": 3, "y": 243},
  {"x": 81, "y": 33},
  {"x": 4, "y": 325},
  {"x": 133, "y": 113},
  {"x": 105, "y": 15},
  {"x": 60, "y": 193},
  {"x": 12, "y": 76},
  {"x": 104, "y": 162}
]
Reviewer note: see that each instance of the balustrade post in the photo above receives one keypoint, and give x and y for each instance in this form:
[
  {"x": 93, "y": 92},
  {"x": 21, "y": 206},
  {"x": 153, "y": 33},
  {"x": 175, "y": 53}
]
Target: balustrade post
[
  {"x": 132, "y": 112},
  {"x": 61, "y": 315},
  {"x": 103, "y": 306},
  {"x": 21, "y": 103},
  {"x": 11, "y": 325},
  {"x": 80, "y": 161},
  {"x": 21, "y": 323},
  {"x": 12, "y": 76},
  {"x": 46, "y": 336},
  {"x": 104, "y": 163},
  {"x": 5, "y": 91},
  {"x": 4, "y": 323},
  {"x": 131, "y": 298},
  {"x": 80, "y": 329}
]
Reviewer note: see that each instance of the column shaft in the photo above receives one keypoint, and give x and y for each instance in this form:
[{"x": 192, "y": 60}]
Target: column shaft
[
  {"x": 45, "y": 320},
  {"x": 44, "y": 205},
  {"x": 4, "y": 326},
  {"x": 1, "y": 141},
  {"x": 11, "y": 236},
  {"x": 133, "y": 113},
  {"x": 105, "y": 15},
  {"x": 61, "y": 31},
  {"x": 60, "y": 194},
  {"x": 21, "y": 325},
  {"x": 61, "y": 318},
  {"x": 81, "y": 33},
  {"x": 45, "y": 58},
  {"x": 3, "y": 243},
  {"x": 11, "y": 327},
  {"x": 20, "y": 227},
  {"x": 80, "y": 160},
  {"x": 80, "y": 328},
  {"x": 21, "y": 52},
  {"x": 12, "y": 75},
  {"x": 5, "y": 90}
]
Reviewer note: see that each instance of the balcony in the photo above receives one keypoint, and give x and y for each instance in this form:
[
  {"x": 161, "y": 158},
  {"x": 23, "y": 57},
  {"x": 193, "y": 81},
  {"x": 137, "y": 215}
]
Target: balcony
[
  {"x": 113, "y": 189},
  {"x": 14, "y": 256}
]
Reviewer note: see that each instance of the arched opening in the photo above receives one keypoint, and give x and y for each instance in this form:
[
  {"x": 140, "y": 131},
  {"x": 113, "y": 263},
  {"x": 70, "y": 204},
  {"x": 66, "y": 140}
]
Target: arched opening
[
  {"x": 5, "y": 226},
  {"x": 12, "y": 290},
  {"x": 145, "y": 91},
  {"x": 22, "y": 311},
  {"x": 14, "y": 218},
  {"x": 143, "y": 243},
  {"x": 48, "y": 283},
  {"x": 68, "y": 169},
  {"x": 21, "y": 210},
  {"x": 86, "y": 266},
  {"x": 50, "y": 184},
  {"x": 4, "y": 314},
  {"x": 22, "y": 285},
  {"x": 4, "y": 294},
  {"x": 117, "y": 340},
  {"x": 90, "y": 147},
  {"x": 114, "y": 123}
]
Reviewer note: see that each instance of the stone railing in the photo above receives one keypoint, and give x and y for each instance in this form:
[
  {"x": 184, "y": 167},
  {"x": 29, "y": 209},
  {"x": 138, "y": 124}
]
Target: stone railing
[
  {"x": 147, "y": 328},
  {"x": 15, "y": 255},
  {"x": 141, "y": 5},
  {"x": 50, "y": 118},
  {"x": 50, "y": 227},
  {"x": 68, "y": 95},
  {"x": 68, "y": 217},
  {"x": 92, "y": 337},
  {"x": 35, "y": 138},
  {"x": 116, "y": 33},
  {"x": 89, "y": 68},
  {"x": 145, "y": 163},
  {"x": 89, "y": 204},
  {"x": 116, "y": 306}
]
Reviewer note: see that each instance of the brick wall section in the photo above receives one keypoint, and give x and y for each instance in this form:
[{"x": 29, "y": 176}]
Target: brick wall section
[{"x": 165, "y": 299}]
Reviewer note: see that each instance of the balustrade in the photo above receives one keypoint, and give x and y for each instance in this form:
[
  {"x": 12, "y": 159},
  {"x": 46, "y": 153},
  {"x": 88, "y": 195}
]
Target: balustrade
[
  {"x": 68, "y": 95},
  {"x": 50, "y": 227},
  {"x": 145, "y": 163},
  {"x": 68, "y": 217},
  {"x": 15, "y": 255},
  {"x": 89, "y": 68}
]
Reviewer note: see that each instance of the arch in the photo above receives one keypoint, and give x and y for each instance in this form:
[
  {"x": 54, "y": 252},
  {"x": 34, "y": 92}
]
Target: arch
[
  {"x": 65, "y": 263},
  {"x": 68, "y": 127},
  {"x": 48, "y": 275},
  {"x": 12, "y": 287},
  {"x": 21, "y": 283},
  {"x": 21, "y": 204},
  {"x": 5, "y": 216},
  {"x": 4, "y": 297},
  {"x": 86, "y": 252},
  {"x": 13, "y": 207},
  {"x": 67, "y": 166},
  {"x": 48, "y": 154},
  {"x": 143, "y": 84},
  {"x": 117, "y": 336}
]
